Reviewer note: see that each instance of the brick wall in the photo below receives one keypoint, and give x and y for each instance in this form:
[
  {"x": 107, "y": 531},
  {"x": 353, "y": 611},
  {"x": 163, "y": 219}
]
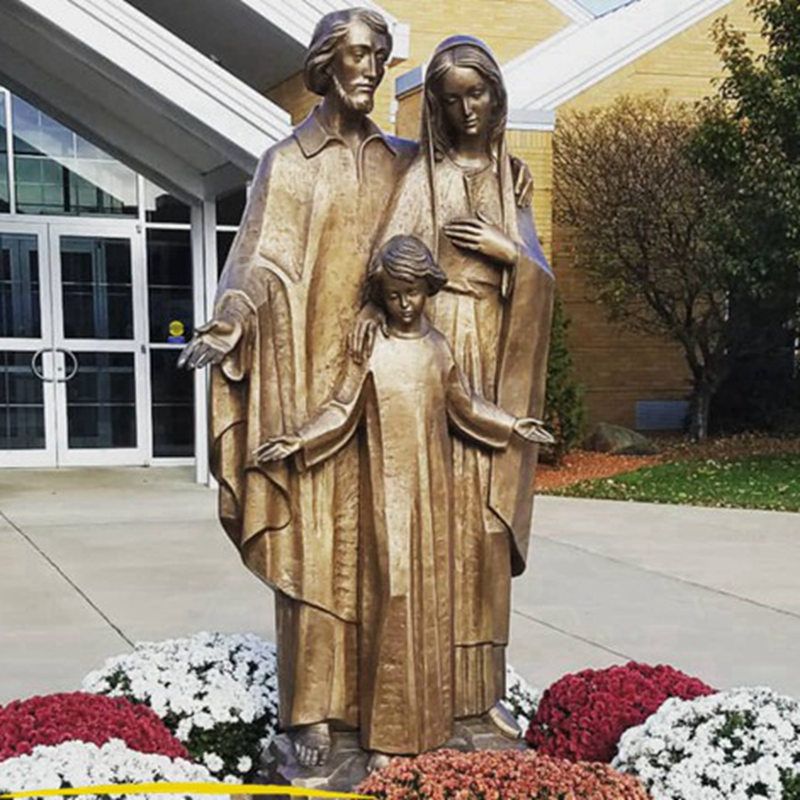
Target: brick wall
[{"x": 617, "y": 367}]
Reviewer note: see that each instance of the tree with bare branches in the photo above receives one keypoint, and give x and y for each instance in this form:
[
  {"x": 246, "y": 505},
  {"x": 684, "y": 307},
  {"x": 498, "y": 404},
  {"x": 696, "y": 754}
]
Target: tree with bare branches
[{"x": 637, "y": 205}]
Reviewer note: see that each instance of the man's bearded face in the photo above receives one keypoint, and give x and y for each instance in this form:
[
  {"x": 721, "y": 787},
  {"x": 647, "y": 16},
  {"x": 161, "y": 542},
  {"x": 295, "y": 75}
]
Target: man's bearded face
[{"x": 358, "y": 67}]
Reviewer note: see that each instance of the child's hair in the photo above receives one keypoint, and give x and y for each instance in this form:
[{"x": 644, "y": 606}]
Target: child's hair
[{"x": 404, "y": 258}]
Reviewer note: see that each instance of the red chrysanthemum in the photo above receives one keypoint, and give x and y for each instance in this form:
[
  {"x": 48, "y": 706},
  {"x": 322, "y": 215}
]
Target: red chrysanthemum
[
  {"x": 582, "y": 716},
  {"x": 57, "y": 718},
  {"x": 497, "y": 775}
]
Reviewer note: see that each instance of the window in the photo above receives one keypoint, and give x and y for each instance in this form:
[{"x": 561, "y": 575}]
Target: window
[
  {"x": 58, "y": 172},
  {"x": 173, "y": 405},
  {"x": 160, "y": 206}
]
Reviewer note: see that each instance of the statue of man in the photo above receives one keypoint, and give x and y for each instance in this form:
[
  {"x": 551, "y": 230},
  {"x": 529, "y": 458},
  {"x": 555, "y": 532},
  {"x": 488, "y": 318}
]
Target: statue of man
[{"x": 287, "y": 300}]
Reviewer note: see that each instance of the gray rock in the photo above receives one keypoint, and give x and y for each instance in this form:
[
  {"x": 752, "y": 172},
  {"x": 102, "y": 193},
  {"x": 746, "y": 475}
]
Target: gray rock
[{"x": 619, "y": 441}]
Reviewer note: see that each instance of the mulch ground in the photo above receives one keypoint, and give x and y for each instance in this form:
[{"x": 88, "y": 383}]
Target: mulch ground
[{"x": 583, "y": 465}]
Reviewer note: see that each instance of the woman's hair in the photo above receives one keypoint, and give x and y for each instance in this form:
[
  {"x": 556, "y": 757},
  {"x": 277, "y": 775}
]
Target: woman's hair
[
  {"x": 434, "y": 124},
  {"x": 404, "y": 258},
  {"x": 331, "y": 30}
]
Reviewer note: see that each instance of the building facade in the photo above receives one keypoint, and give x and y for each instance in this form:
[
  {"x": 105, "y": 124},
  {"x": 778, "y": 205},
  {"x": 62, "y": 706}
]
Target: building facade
[{"x": 128, "y": 130}]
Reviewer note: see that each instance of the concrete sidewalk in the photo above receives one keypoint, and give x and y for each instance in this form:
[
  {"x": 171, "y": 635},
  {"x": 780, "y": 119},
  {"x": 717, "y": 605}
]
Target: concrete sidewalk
[{"x": 92, "y": 560}]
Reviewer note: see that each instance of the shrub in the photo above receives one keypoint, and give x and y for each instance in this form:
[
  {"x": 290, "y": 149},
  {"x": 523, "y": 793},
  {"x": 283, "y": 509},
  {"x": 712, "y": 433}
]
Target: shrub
[
  {"x": 582, "y": 716},
  {"x": 521, "y": 699},
  {"x": 77, "y": 764},
  {"x": 564, "y": 410},
  {"x": 491, "y": 775},
  {"x": 218, "y": 694},
  {"x": 733, "y": 745},
  {"x": 57, "y": 718}
]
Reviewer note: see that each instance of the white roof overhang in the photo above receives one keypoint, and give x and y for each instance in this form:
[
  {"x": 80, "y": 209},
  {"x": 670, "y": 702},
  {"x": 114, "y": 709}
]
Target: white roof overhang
[
  {"x": 262, "y": 42},
  {"x": 585, "y": 53},
  {"x": 121, "y": 80}
]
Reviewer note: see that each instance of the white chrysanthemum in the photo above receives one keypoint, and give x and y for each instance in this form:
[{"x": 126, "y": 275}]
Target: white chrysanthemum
[
  {"x": 521, "y": 699},
  {"x": 78, "y": 764},
  {"x": 200, "y": 683},
  {"x": 728, "y": 746}
]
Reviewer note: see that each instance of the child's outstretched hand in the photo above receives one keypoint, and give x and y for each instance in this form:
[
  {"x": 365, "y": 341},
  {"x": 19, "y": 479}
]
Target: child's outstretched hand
[
  {"x": 277, "y": 448},
  {"x": 533, "y": 430}
]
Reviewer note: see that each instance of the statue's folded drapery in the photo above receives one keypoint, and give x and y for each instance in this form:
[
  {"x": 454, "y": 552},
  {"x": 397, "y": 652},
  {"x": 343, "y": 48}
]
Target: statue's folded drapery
[
  {"x": 497, "y": 321},
  {"x": 293, "y": 281},
  {"x": 407, "y": 396}
]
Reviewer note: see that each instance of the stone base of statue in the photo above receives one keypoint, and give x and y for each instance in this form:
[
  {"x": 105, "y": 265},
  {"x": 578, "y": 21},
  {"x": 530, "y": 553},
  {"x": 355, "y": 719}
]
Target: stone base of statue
[{"x": 347, "y": 764}]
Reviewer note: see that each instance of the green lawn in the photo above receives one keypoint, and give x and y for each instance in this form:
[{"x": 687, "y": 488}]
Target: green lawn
[{"x": 769, "y": 482}]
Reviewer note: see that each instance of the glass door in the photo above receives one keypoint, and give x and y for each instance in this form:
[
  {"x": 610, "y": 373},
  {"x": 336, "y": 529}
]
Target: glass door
[
  {"x": 99, "y": 309},
  {"x": 28, "y": 374}
]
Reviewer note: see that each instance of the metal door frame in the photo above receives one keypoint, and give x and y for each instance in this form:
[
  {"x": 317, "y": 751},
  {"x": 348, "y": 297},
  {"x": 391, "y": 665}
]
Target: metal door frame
[
  {"x": 67, "y": 351},
  {"x": 40, "y": 348}
]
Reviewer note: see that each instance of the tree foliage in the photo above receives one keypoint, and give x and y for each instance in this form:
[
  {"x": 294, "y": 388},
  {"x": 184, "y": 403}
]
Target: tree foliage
[
  {"x": 748, "y": 143},
  {"x": 564, "y": 409},
  {"x": 638, "y": 204}
]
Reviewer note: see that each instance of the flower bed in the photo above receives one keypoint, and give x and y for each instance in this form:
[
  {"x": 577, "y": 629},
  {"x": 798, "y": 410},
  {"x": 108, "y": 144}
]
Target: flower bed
[
  {"x": 734, "y": 745},
  {"x": 218, "y": 694},
  {"x": 77, "y": 764},
  {"x": 582, "y": 716},
  {"x": 57, "y": 718},
  {"x": 521, "y": 699},
  {"x": 491, "y": 775}
]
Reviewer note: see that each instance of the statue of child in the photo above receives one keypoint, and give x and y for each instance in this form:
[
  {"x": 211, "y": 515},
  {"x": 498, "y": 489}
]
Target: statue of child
[{"x": 408, "y": 396}]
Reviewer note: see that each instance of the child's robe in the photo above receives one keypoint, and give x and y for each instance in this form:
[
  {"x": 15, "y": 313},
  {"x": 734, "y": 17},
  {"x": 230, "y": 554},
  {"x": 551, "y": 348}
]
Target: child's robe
[{"x": 408, "y": 395}]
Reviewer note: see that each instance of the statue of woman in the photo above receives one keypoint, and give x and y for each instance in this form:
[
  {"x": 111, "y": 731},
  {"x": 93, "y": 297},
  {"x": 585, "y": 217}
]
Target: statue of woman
[{"x": 458, "y": 197}]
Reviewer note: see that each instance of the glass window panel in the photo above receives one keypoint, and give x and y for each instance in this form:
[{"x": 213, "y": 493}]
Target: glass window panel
[
  {"x": 21, "y": 404},
  {"x": 58, "y": 172},
  {"x": 230, "y": 207},
  {"x": 20, "y": 303},
  {"x": 224, "y": 242},
  {"x": 173, "y": 405},
  {"x": 160, "y": 206},
  {"x": 101, "y": 401},
  {"x": 4, "y": 188},
  {"x": 97, "y": 296},
  {"x": 169, "y": 285}
]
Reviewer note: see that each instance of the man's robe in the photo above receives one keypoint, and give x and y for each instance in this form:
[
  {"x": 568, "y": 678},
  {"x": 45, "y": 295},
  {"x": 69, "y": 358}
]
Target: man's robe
[{"x": 293, "y": 279}]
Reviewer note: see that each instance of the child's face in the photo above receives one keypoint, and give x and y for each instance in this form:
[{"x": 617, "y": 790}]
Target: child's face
[{"x": 404, "y": 301}]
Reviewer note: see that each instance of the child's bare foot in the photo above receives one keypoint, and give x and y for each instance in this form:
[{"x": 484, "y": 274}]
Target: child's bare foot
[
  {"x": 312, "y": 744},
  {"x": 503, "y": 721},
  {"x": 377, "y": 761}
]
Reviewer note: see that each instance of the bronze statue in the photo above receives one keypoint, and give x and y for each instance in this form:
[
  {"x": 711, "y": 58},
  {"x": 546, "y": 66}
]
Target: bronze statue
[
  {"x": 408, "y": 394},
  {"x": 458, "y": 197},
  {"x": 288, "y": 299}
]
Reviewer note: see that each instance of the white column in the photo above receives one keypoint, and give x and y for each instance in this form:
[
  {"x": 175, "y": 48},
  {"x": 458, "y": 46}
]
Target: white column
[{"x": 204, "y": 274}]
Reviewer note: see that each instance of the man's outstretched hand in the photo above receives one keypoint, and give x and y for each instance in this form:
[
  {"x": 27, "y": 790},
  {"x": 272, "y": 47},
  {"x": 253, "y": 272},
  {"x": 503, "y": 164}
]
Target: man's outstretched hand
[{"x": 210, "y": 344}]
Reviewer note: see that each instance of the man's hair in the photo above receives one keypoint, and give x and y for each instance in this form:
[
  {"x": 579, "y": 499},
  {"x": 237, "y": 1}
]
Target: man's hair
[
  {"x": 404, "y": 258},
  {"x": 331, "y": 30},
  {"x": 463, "y": 55}
]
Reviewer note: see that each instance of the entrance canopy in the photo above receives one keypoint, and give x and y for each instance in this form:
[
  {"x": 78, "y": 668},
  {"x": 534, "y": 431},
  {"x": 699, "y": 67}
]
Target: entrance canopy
[
  {"x": 117, "y": 77},
  {"x": 262, "y": 42}
]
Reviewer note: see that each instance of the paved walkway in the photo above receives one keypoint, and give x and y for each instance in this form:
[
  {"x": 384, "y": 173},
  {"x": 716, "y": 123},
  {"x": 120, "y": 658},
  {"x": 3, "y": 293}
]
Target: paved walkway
[{"x": 92, "y": 560}]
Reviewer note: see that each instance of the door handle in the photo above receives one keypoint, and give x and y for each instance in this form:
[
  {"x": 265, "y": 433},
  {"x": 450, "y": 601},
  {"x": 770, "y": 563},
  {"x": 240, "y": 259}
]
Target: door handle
[
  {"x": 75, "y": 364},
  {"x": 34, "y": 368}
]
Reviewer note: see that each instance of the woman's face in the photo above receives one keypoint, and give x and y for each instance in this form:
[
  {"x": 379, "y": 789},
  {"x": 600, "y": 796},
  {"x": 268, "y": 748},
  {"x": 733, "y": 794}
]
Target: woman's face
[{"x": 467, "y": 101}]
